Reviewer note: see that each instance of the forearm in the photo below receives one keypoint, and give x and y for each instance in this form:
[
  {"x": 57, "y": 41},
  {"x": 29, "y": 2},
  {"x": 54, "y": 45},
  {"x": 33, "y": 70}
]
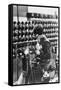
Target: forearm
[{"x": 52, "y": 74}]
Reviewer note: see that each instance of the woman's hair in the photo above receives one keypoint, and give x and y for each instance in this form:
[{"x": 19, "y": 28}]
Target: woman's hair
[{"x": 38, "y": 30}]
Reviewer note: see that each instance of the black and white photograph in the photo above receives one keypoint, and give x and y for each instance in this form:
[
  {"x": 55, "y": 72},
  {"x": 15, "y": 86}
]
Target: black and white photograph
[{"x": 35, "y": 44}]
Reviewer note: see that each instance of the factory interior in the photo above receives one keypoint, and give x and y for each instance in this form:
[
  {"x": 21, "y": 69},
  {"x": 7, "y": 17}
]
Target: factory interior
[{"x": 25, "y": 18}]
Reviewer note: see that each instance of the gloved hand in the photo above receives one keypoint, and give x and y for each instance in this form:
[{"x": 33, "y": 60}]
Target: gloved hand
[
  {"x": 26, "y": 51},
  {"x": 46, "y": 74}
]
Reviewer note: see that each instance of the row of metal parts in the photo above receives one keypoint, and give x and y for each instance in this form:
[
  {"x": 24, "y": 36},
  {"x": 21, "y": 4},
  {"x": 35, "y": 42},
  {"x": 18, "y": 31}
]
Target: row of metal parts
[
  {"x": 23, "y": 38},
  {"x": 31, "y": 25},
  {"x": 19, "y": 35}
]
